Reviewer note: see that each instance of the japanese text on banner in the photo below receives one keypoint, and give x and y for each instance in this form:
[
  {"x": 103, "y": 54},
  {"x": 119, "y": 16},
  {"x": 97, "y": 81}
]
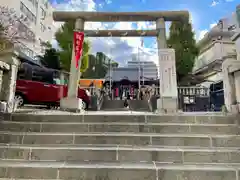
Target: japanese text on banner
[{"x": 78, "y": 46}]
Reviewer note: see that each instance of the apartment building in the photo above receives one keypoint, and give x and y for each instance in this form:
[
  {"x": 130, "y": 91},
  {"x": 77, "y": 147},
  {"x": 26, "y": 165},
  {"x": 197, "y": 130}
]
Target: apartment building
[
  {"x": 104, "y": 60},
  {"x": 215, "y": 47},
  {"x": 39, "y": 24}
]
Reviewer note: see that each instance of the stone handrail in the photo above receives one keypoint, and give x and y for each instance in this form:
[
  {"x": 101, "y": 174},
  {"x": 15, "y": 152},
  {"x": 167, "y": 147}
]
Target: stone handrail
[{"x": 100, "y": 101}]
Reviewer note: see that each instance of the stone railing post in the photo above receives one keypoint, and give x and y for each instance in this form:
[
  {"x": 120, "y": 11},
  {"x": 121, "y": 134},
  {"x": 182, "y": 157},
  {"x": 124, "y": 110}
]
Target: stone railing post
[{"x": 9, "y": 78}]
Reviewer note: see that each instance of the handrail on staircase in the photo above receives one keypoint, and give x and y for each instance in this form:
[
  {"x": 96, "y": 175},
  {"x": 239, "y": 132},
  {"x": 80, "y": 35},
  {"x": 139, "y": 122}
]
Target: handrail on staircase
[{"x": 100, "y": 100}]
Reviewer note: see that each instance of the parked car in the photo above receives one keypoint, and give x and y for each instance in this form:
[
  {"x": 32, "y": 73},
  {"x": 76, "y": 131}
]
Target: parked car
[{"x": 37, "y": 85}]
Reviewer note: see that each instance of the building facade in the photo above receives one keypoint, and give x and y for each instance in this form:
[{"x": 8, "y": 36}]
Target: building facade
[
  {"x": 236, "y": 37},
  {"x": 149, "y": 69},
  {"x": 215, "y": 47},
  {"x": 104, "y": 60},
  {"x": 39, "y": 23}
]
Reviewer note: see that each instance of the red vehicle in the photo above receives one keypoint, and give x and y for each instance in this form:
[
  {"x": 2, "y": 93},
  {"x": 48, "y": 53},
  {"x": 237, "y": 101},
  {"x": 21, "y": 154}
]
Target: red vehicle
[{"x": 39, "y": 85}]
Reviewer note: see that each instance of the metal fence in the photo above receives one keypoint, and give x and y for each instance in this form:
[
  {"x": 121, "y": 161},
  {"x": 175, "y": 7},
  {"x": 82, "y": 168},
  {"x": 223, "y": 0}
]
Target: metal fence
[
  {"x": 194, "y": 99},
  {"x": 191, "y": 99},
  {"x": 217, "y": 96}
]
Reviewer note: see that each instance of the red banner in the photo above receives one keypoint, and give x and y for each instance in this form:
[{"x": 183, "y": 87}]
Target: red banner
[{"x": 78, "y": 39}]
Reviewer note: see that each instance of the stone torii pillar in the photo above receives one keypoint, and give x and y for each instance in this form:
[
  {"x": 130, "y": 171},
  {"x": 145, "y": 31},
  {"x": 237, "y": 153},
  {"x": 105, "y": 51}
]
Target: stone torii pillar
[
  {"x": 161, "y": 36},
  {"x": 72, "y": 102},
  {"x": 168, "y": 101}
]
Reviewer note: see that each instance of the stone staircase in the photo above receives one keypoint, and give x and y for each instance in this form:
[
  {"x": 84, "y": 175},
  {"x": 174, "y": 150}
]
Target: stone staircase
[
  {"x": 118, "y": 105},
  {"x": 119, "y": 147},
  {"x": 113, "y": 105},
  {"x": 139, "y": 105}
]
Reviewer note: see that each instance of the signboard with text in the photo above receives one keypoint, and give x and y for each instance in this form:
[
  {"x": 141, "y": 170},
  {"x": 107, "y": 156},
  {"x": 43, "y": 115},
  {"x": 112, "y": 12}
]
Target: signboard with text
[{"x": 78, "y": 39}]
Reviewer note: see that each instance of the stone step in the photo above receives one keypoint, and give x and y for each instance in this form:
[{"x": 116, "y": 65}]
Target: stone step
[
  {"x": 112, "y": 104},
  {"x": 116, "y": 170},
  {"x": 118, "y": 127},
  {"x": 198, "y": 119},
  {"x": 177, "y": 139},
  {"x": 139, "y": 105},
  {"x": 25, "y": 179},
  {"x": 121, "y": 153}
]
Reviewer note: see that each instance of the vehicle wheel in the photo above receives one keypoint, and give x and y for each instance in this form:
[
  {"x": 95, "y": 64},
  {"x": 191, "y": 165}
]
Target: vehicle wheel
[
  {"x": 55, "y": 107},
  {"x": 19, "y": 99},
  {"x": 84, "y": 105}
]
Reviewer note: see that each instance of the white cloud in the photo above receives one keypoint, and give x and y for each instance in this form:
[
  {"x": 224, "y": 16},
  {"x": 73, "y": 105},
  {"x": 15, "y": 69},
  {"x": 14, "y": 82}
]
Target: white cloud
[
  {"x": 120, "y": 49},
  {"x": 108, "y": 1},
  {"x": 215, "y": 2},
  {"x": 203, "y": 32},
  {"x": 213, "y": 25}
]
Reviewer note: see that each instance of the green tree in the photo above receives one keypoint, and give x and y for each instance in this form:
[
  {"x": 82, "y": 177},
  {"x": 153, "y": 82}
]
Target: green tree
[
  {"x": 182, "y": 39},
  {"x": 50, "y": 59},
  {"x": 64, "y": 37},
  {"x": 96, "y": 68}
]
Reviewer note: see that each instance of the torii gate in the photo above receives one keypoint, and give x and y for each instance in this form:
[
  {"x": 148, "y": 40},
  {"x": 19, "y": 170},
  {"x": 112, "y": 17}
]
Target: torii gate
[{"x": 168, "y": 83}]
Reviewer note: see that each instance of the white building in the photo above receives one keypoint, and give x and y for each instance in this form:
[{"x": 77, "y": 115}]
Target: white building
[
  {"x": 215, "y": 47},
  {"x": 236, "y": 37},
  {"x": 40, "y": 23},
  {"x": 149, "y": 68}
]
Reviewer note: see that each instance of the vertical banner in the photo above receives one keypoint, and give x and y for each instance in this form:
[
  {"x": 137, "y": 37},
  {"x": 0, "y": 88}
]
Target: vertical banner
[{"x": 78, "y": 39}]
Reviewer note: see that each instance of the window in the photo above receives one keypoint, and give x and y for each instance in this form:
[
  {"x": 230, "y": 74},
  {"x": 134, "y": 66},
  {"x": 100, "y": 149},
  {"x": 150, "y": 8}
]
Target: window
[
  {"x": 42, "y": 75},
  {"x": 231, "y": 28},
  {"x": 45, "y": 2},
  {"x": 28, "y": 13},
  {"x": 26, "y": 31},
  {"x": 29, "y": 52},
  {"x": 43, "y": 13},
  {"x": 25, "y": 50},
  {"x": 34, "y": 2},
  {"x": 31, "y": 71},
  {"x": 43, "y": 28},
  {"x": 46, "y": 5}
]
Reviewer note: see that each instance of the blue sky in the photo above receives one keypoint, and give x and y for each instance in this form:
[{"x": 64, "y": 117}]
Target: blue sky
[{"x": 204, "y": 14}]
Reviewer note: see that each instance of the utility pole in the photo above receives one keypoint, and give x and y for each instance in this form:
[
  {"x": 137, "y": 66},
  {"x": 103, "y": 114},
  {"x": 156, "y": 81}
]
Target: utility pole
[
  {"x": 110, "y": 74},
  {"x": 110, "y": 70},
  {"x": 143, "y": 77},
  {"x": 139, "y": 69}
]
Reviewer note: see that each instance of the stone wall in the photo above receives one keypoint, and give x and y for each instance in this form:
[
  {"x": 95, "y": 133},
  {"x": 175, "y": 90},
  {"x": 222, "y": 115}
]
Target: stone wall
[
  {"x": 237, "y": 87},
  {"x": 231, "y": 81},
  {"x": 237, "y": 42}
]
